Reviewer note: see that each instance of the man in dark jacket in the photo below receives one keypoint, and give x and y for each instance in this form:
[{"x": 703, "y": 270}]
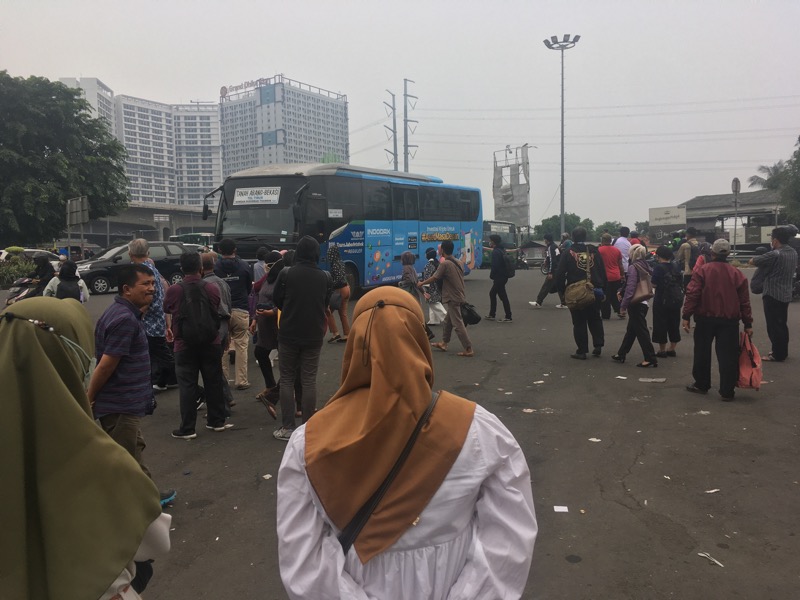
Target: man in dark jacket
[
  {"x": 717, "y": 297},
  {"x": 499, "y": 277},
  {"x": 237, "y": 274},
  {"x": 549, "y": 285},
  {"x": 572, "y": 268},
  {"x": 302, "y": 293}
]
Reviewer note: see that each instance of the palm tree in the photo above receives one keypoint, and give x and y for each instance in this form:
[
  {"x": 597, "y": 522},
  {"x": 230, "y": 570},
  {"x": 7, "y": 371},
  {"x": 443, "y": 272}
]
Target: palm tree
[{"x": 773, "y": 176}]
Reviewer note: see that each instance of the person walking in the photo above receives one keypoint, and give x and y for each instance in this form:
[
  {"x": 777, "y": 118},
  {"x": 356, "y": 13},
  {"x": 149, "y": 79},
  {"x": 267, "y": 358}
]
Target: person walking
[
  {"x": 638, "y": 270},
  {"x": 302, "y": 293},
  {"x": 409, "y": 282},
  {"x": 236, "y": 273},
  {"x": 551, "y": 257},
  {"x": 432, "y": 293},
  {"x": 156, "y": 321},
  {"x": 777, "y": 268},
  {"x": 207, "y": 262},
  {"x": 67, "y": 284},
  {"x": 718, "y": 298},
  {"x": 458, "y": 521},
  {"x": 451, "y": 274},
  {"x": 499, "y": 277},
  {"x": 667, "y": 302},
  {"x": 624, "y": 245},
  {"x": 340, "y": 296},
  {"x": 580, "y": 263},
  {"x": 612, "y": 261},
  {"x": 688, "y": 253},
  {"x": 265, "y": 323},
  {"x": 194, "y": 359}
]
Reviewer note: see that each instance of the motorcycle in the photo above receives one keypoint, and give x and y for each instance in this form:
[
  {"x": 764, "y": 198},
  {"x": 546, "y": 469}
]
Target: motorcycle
[
  {"x": 21, "y": 289},
  {"x": 521, "y": 262}
]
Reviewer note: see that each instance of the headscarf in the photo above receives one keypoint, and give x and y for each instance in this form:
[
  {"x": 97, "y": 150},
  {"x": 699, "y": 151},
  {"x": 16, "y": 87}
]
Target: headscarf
[
  {"x": 373, "y": 414},
  {"x": 307, "y": 249},
  {"x": 75, "y": 504},
  {"x": 637, "y": 252},
  {"x": 68, "y": 271}
]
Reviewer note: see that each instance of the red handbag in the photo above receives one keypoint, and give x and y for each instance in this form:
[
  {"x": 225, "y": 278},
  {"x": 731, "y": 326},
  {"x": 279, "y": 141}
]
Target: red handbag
[{"x": 750, "y": 372}]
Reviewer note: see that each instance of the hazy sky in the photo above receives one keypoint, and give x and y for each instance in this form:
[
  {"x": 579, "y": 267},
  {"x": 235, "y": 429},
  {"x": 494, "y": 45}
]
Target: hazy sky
[{"x": 664, "y": 100}]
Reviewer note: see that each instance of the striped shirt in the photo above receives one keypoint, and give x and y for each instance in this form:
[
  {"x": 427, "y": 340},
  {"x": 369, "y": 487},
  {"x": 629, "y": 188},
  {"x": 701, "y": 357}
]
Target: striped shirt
[
  {"x": 120, "y": 333},
  {"x": 780, "y": 265}
]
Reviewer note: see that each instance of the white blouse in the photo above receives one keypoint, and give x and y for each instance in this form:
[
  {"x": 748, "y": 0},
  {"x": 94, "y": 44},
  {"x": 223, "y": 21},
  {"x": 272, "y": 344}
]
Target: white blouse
[{"x": 474, "y": 539}]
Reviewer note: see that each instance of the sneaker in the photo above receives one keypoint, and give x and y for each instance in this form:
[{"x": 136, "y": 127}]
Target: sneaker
[
  {"x": 223, "y": 427},
  {"x": 489, "y": 317},
  {"x": 535, "y": 304},
  {"x": 504, "y": 320},
  {"x": 172, "y": 386},
  {"x": 243, "y": 386},
  {"x": 178, "y": 434},
  {"x": 159, "y": 388},
  {"x": 168, "y": 496},
  {"x": 561, "y": 306},
  {"x": 200, "y": 403},
  {"x": 282, "y": 434}
]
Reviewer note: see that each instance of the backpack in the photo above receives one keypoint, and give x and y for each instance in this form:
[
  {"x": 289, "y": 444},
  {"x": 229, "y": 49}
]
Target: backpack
[
  {"x": 672, "y": 288},
  {"x": 695, "y": 254},
  {"x": 510, "y": 262},
  {"x": 580, "y": 294},
  {"x": 198, "y": 322},
  {"x": 68, "y": 289}
]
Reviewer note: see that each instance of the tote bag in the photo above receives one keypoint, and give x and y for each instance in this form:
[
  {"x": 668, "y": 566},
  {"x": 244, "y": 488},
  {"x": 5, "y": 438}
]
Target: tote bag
[{"x": 750, "y": 372}]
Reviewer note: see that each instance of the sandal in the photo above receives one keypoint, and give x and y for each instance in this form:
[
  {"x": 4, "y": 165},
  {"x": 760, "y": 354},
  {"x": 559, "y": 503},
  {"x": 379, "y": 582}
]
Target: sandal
[
  {"x": 466, "y": 354},
  {"x": 270, "y": 408},
  {"x": 440, "y": 345},
  {"x": 645, "y": 364},
  {"x": 342, "y": 340},
  {"x": 620, "y": 358},
  {"x": 335, "y": 338}
]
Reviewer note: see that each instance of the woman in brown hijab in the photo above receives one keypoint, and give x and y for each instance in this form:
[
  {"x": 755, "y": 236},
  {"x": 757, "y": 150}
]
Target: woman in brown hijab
[{"x": 457, "y": 521}]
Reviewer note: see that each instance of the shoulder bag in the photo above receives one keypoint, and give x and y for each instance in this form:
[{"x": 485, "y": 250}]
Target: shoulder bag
[
  {"x": 644, "y": 288},
  {"x": 580, "y": 294}
]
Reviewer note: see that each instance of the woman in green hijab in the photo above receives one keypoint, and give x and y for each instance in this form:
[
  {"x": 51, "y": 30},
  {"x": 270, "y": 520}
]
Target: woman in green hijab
[{"x": 77, "y": 508}]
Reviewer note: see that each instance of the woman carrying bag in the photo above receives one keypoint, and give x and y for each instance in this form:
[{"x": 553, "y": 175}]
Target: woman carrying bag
[{"x": 638, "y": 290}]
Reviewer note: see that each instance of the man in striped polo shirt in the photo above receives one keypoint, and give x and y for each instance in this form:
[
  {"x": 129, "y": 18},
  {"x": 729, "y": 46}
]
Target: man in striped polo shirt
[
  {"x": 779, "y": 265},
  {"x": 120, "y": 391}
]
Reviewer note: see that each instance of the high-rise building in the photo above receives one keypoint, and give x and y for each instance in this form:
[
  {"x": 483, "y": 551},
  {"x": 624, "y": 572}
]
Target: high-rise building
[
  {"x": 198, "y": 154},
  {"x": 98, "y": 95},
  {"x": 277, "y": 120}
]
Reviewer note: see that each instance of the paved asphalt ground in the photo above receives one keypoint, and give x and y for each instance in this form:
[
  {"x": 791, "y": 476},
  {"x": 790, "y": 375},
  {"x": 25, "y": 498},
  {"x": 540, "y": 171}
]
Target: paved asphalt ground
[{"x": 651, "y": 475}]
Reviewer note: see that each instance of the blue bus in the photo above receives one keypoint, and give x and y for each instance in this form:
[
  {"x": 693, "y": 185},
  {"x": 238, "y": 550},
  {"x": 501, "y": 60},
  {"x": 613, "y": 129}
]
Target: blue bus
[{"x": 372, "y": 215}]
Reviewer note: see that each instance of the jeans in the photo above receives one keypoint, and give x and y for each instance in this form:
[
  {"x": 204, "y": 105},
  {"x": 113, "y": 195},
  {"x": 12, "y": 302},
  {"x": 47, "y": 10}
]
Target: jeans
[
  {"x": 126, "y": 431},
  {"x": 499, "y": 289},
  {"x": 239, "y": 332},
  {"x": 189, "y": 363},
  {"x": 162, "y": 363},
  {"x": 637, "y": 330},
  {"x": 724, "y": 333},
  {"x": 776, "y": 314},
  {"x": 590, "y": 318},
  {"x": 291, "y": 360},
  {"x": 262, "y": 356}
]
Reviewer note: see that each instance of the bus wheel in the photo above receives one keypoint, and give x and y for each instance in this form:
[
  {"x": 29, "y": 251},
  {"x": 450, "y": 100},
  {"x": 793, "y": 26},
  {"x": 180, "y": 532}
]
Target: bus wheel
[{"x": 352, "y": 279}]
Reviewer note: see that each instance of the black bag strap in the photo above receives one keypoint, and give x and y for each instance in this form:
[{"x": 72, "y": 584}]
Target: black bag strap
[{"x": 349, "y": 534}]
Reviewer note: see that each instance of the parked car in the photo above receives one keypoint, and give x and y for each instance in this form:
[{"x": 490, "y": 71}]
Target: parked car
[
  {"x": 30, "y": 253},
  {"x": 100, "y": 272}
]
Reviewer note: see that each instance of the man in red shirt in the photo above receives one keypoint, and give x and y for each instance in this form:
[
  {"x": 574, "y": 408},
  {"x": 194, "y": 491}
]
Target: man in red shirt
[
  {"x": 717, "y": 297},
  {"x": 612, "y": 259}
]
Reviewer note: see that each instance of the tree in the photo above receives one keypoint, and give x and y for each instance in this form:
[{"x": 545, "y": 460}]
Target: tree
[
  {"x": 553, "y": 225},
  {"x": 773, "y": 176},
  {"x": 611, "y": 226},
  {"x": 51, "y": 150},
  {"x": 790, "y": 189},
  {"x": 642, "y": 227}
]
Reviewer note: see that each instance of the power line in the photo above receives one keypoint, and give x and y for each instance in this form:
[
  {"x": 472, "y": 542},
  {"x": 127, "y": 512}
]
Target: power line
[
  {"x": 368, "y": 125},
  {"x": 610, "y": 143},
  {"x": 535, "y": 168},
  {"x": 618, "y": 135},
  {"x": 614, "y": 106}
]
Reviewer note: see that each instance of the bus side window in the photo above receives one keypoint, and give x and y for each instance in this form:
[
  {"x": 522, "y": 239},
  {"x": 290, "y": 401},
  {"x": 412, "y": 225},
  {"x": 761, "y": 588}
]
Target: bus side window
[
  {"x": 404, "y": 204},
  {"x": 377, "y": 201},
  {"x": 316, "y": 217},
  {"x": 429, "y": 204}
]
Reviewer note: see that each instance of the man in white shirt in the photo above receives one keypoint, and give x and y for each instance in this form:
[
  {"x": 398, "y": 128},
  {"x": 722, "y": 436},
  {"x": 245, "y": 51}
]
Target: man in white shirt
[{"x": 624, "y": 245}]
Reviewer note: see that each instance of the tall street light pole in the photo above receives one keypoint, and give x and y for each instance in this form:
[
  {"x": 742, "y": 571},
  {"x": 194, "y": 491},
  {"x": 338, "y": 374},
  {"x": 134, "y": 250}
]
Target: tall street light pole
[
  {"x": 736, "y": 187},
  {"x": 555, "y": 44}
]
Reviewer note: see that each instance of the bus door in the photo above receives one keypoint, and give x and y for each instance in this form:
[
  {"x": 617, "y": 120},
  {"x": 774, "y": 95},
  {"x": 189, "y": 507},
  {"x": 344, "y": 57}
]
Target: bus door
[
  {"x": 315, "y": 218},
  {"x": 405, "y": 238}
]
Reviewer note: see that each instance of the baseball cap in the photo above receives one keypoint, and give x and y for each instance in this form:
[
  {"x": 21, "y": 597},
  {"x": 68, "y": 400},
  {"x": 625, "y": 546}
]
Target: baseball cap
[{"x": 721, "y": 247}]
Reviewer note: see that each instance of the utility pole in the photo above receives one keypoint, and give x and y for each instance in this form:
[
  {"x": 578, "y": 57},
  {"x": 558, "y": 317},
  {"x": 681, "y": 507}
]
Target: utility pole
[
  {"x": 406, "y": 121},
  {"x": 393, "y": 108}
]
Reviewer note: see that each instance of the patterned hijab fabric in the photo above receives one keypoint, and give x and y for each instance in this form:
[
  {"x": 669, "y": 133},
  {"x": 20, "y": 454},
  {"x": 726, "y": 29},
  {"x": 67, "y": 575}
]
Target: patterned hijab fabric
[
  {"x": 387, "y": 377},
  {"x": 75, "y": 504}
]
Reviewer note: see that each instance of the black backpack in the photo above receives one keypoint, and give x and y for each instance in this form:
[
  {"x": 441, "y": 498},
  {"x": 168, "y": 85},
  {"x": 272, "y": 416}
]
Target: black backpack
[
  {"x": 198, "y": 322},
  {"x": 68, "y": 289},
  {"x": 695, "y": 254},
  {"x": 672, "y": 293},
  {"x": 511, "y": 264}
]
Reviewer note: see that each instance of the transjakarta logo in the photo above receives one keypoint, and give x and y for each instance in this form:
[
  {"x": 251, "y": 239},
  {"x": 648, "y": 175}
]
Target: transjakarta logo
[{"x": 378, "y": 232}]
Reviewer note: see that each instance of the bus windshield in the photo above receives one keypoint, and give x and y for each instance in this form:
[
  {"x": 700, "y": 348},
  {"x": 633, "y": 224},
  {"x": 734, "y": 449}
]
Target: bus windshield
[
  {"x": 506, "y": 231},
  {"x": 258, "y": 206}
]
